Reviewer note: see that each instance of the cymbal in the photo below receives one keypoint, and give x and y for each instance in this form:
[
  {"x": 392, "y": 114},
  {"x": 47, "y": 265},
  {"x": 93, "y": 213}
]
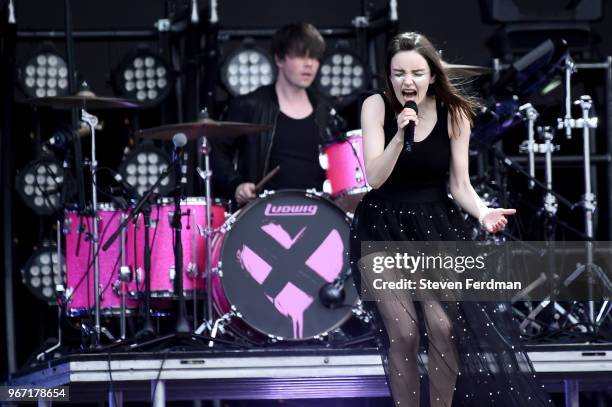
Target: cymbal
[
  {"x": 83, "y": 102},
  {"x": 206, "y": 127},
  {"x": 466, "y": 70}
]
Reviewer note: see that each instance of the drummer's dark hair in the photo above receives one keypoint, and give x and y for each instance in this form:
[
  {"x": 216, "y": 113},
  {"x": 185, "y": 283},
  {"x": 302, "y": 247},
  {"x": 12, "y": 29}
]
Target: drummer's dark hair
[
  {"x": 298, "y": 40},
  {"x": 443, "y": 89}
]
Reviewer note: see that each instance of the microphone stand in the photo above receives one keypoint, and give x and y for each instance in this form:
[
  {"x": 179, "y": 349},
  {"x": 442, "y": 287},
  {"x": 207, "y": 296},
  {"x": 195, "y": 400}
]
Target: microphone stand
[
  {"x": 182, "y": 332},
  {"x": 142, "y": 206},
  {"x": 181, "y": 324}
]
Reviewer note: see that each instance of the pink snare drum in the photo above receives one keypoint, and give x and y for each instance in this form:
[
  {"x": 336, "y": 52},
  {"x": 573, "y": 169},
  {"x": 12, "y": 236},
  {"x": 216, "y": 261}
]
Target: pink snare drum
[
  {"x": 161, "y": 236},
  {"x": 79, "y": 266},
  {"x": 273, "y": 258},
  {"x": 345, "y": 170}
]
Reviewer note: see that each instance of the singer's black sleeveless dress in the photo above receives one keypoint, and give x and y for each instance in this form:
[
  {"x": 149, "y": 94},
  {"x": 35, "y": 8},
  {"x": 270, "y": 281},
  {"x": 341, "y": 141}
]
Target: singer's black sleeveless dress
[{"x": 413, "y": 204}]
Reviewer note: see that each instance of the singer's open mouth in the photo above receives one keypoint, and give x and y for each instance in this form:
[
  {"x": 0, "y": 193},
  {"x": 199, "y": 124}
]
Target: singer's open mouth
[{"x": 409, "y": 93}]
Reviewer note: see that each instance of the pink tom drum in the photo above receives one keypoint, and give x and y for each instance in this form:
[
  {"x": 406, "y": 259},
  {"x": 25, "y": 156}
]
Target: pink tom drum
[
  {"x": 345, "y": 170},
  {"x": 161, "y": 237},
  {"x": 273, "y": 257},
  {"x": 79, "y": 263}
]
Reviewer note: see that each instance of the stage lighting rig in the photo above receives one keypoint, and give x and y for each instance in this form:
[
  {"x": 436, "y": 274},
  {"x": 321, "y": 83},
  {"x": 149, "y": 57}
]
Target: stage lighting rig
[
  {"x": 45, "y": 73},
  {"x": 144, "y": 76},
  {"x": 342, "y": 74},
  {"x": 247, "y": 68},
  {"x": 40, "y": 184},
  {"x": 142, "y": 166},
  {"x": 43, "y": 272}
]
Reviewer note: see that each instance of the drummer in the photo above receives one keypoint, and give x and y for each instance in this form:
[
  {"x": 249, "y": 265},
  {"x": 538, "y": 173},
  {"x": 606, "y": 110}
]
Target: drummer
[{"x": 290, "y": 107}]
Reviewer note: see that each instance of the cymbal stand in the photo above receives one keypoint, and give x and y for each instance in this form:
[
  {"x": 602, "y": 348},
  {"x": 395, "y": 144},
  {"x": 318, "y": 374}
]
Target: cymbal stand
[
  {"x": 589, "y": 202},
  {"x": 124, "y": 276},
  {"x": 550, "y": 207},
  {"x": 207, "y": 323},
  {"x": 59, "y": 290},
  {"x": 567, "y": 122},
  {"x": 547, "y": 148},
  {"x": 92, "y": 122},
  {"x": 528, "y": 146}
]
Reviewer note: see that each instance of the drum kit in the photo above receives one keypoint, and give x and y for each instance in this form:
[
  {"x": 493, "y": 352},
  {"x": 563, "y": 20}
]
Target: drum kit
[{"x": 259, "y": 271}]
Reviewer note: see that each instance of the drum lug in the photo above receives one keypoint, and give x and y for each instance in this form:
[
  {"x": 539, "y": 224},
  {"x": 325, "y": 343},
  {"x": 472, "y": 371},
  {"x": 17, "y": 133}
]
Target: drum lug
[
  {"x": 117, "y": 287},
  {"x": 138, "y": 275},
  {"x": 125, "y": 273},
  {"x": 274, "y": 338},
  {"x": 171, "y": 273},
  {"x": 323, "y": 161},
  {"x": 67, "y": 226},
  {"x": 266, "y": 193},
  {"x": 358, "y": 175},
  {"x": 192, "y": 270},
  {"x": 68, "y": 292},
  {"x": 234, "y": 311},
  {"x": 327, "y": 187},
  {"x": 360, "y": 313}
]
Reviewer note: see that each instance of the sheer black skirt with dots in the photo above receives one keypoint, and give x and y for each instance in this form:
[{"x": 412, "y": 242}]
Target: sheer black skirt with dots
[{"x": 441, "y": 353}]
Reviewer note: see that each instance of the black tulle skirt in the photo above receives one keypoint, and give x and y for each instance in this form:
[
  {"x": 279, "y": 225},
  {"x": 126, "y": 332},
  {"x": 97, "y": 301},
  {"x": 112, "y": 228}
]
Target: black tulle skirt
[{"x": 493, "y": 368}]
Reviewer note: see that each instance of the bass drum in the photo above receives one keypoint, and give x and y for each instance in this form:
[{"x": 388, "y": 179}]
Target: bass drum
[{"x": 272, "y": 259}]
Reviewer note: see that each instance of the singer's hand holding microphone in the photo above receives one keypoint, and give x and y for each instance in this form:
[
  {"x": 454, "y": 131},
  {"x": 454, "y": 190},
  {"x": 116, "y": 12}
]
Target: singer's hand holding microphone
[{"x": 407, "y": 119}]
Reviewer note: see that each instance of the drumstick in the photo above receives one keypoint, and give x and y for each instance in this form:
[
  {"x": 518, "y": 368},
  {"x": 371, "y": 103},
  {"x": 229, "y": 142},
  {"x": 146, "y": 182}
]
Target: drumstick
[{"x": 267, "y": 178}]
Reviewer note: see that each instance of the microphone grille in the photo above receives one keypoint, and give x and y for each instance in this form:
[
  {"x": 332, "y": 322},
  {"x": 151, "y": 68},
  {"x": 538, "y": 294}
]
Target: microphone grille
[
  {"x": 179, "y": 140},
  {"x": 411, "y": 104}
]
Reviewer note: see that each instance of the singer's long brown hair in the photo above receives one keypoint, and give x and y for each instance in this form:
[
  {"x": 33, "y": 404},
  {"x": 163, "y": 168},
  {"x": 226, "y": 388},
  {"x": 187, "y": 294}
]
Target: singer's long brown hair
[{"x": 442, "y": 88}]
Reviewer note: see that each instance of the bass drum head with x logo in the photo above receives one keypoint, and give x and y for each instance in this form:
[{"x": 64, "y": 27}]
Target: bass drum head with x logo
[{"x": 275, "y": 257}]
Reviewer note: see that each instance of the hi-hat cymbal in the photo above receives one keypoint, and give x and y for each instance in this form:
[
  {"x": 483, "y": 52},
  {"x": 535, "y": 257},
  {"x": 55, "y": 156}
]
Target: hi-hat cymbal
[
  {"x": 466, "y": 70},
  {"x": 83, "y": 102},
  {"x": 206, "y": 127}
]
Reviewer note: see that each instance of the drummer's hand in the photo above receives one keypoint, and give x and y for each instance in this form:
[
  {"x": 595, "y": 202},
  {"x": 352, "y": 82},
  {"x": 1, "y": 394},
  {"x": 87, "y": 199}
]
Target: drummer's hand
[
  {"x": 245, "y": 192},
  {"x": 496, "y": 220}
]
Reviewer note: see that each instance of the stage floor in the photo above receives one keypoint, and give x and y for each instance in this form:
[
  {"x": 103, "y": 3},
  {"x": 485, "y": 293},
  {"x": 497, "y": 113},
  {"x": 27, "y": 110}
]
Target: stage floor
[{"x": 279, "y": 373}]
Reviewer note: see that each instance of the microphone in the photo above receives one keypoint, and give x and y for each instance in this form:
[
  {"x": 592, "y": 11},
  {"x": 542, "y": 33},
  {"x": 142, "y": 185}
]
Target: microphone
[
  {"x": 125, "y": 189},
  {"x": 409, "y": 129},
  {"x": 180, "y": 141},
  {"x": 332, "y": 124},
  {"x": 332, "y": 295},
  {"x": 64, "y": 135},
  {"x": 337, "y": 122}
]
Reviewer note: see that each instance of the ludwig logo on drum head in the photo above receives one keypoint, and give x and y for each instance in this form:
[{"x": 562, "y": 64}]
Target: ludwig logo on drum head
[{"x": 290, "y": 210}]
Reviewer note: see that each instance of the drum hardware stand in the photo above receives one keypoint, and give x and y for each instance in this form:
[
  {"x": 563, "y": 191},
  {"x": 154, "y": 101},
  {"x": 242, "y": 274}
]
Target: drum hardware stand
[
  {"x": 528, "y": 146},
  {"x": 208, "y": 314},
  {"x": 124, "y": 276},
  {"x": 547, "y": 148},
  {"x": 142, "y": 206},
  {"x": 219, "y": 325},
  {"x": 181, "y": 324},
  {"x": 180, "y": 177},
  {"x": 92, "y": 122},
  {"x": 567, "y": 122},
  {"x": 192, "y": 269},
  {"x": 551, "y": 200},
  {"x": 59, "y": 293},
  {"x": 589, "y": 201}
]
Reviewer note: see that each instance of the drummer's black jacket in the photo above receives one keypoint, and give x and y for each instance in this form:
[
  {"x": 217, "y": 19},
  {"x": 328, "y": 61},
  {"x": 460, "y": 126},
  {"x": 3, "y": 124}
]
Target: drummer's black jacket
[{"x": 246, "y": 158}]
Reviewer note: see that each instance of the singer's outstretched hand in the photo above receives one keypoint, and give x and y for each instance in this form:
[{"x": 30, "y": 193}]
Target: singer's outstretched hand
[{"x": 496, "y": 220}]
